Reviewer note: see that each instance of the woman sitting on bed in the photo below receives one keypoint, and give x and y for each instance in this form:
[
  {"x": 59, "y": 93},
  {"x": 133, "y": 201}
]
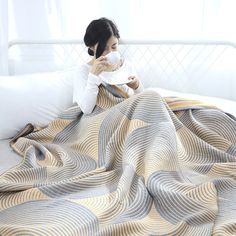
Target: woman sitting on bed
[{"x": 102, "y": 38}]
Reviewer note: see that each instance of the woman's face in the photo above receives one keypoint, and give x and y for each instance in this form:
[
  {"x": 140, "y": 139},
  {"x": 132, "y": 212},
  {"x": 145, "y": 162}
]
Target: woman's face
[{"x": 112, "y": 45}]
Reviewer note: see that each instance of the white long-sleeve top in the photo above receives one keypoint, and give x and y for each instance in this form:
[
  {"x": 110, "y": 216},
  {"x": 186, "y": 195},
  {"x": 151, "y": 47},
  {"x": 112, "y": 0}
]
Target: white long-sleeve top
[{"x": 86, "y": 89}]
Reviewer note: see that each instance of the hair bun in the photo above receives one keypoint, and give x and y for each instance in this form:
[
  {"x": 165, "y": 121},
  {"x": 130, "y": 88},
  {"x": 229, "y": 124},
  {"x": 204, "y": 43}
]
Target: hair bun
[{"x": 90, "y": 52}]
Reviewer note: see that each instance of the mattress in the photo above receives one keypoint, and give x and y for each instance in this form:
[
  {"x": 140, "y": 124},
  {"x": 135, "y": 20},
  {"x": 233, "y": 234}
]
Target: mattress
[{"x": 8, "y": 158}]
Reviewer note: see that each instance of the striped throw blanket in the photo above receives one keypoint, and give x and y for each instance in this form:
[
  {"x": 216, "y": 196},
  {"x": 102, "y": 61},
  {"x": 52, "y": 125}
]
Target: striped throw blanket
[{"x": 135, "y": 166}]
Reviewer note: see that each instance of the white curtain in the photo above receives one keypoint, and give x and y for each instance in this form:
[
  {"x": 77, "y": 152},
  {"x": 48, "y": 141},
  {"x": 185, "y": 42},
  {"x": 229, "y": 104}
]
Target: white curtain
[
  {"x": 3, "y": 38},
  {"x": 57, "y": 19},
  {"x": 136, "y": 19}
]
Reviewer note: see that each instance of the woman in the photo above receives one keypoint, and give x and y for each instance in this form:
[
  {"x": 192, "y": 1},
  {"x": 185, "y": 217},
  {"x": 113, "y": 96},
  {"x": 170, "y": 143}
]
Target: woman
[{"x": 101, "y": 37}]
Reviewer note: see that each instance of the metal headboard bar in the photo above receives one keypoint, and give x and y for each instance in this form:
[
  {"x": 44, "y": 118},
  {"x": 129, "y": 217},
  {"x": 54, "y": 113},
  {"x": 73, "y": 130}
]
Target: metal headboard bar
[
  {"x": 132, "y": 42},
  {"x": 179, "y": 65}
]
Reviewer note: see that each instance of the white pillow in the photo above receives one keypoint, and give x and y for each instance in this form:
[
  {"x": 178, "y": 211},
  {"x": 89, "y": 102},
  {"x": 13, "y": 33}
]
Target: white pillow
[
  {"x": 33, "y": 98},
  {"x": 226, "y": 105}
]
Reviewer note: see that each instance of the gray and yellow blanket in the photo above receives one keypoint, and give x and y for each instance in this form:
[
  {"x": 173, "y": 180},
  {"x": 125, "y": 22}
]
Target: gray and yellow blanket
[{"x": 135, "y": 166}]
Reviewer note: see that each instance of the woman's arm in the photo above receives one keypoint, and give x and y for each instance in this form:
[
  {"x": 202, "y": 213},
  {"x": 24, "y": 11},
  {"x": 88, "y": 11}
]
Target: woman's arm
[
  {"x": 86, "y": 90},
  {"x": 135, "y": 86},
  {"x": 140, "y": 88},
  {"x": 135, "y": 90},
  {"x": 86, "y": 87}
]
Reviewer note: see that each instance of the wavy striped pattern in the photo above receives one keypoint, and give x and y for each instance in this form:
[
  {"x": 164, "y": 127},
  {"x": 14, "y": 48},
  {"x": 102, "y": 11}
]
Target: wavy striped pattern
[{"x": 136, "y": 166}]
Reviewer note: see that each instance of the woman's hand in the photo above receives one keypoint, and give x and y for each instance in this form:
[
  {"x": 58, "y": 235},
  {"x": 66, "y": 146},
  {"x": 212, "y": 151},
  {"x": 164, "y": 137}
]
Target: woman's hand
[
  {"x": 99, "y": 65},
  {"x": 134, "y": 82}
]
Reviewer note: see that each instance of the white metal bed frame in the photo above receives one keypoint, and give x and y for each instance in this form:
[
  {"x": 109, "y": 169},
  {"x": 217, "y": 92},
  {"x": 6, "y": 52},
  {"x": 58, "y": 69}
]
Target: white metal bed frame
[
  {"x": 182, "y": 65},
  {"x": 145, "y": 42}
]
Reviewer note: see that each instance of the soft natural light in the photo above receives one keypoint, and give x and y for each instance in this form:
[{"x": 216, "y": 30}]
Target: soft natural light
[
  {"x": 137, "y": 19},
  {"x": 118, "y": 117}
]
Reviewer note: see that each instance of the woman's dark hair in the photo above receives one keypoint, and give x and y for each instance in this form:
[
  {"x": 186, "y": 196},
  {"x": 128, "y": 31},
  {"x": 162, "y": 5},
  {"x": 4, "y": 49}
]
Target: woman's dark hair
[{"x": 99, "y": 31}]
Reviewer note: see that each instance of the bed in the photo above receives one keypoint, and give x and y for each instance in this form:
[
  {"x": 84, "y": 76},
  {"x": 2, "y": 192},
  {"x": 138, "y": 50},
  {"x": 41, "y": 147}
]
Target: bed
[{"x": 42, "y": 74}]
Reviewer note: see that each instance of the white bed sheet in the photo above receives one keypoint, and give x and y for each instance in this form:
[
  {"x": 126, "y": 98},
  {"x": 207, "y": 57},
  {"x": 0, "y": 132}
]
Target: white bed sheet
[
  {"x": 226, "y": 105},
  {"x": 8, "y": 158}
]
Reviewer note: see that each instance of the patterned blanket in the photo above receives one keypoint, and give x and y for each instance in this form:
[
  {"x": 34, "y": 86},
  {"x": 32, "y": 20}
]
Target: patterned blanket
[{"x": 132, "y": 167}]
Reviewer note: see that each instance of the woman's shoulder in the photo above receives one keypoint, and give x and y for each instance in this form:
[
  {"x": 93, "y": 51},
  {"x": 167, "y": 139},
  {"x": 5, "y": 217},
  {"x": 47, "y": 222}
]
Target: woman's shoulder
[
  {"x": 82, "y": 72},
  {"x": 83, "y": 67}
]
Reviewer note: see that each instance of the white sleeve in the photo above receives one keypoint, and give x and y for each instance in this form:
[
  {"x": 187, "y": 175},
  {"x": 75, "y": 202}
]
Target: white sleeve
[
  {"x": 131, "y": 91},
  {"x": 126, "y": 88},
  {"x": 86, "y": 90},
  {"x": 139, "y": 89}
]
